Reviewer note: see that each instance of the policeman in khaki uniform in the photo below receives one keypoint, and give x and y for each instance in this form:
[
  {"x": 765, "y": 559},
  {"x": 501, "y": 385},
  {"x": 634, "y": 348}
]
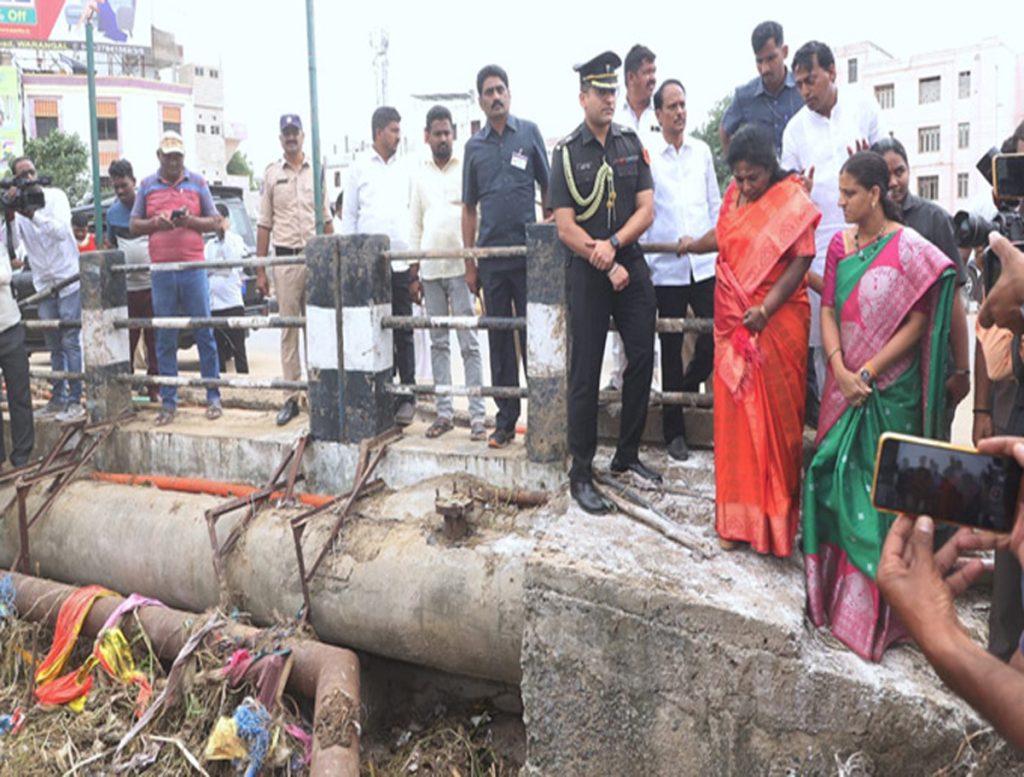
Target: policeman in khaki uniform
[
  {"x": 287, "y": 215},
  {"x": 603, "y": 200}
]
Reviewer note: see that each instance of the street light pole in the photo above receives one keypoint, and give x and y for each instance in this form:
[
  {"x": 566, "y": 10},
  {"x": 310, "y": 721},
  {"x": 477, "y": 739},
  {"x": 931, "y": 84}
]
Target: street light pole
[
  {"x": 318, "y": 186},
  {"x": 94, "y": 135}
]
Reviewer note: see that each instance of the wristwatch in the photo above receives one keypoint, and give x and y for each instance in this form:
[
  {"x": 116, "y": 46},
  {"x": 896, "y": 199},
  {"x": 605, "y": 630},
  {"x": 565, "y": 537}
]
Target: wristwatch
[
  {"x": 866, "y": 376},
  {"x": 616, "y": 243}
]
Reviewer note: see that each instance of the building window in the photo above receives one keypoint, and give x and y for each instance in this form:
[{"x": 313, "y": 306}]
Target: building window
[
  {"x": 964, "y": 81},
  {"x": 927, "y": 140},
  {"x": 201, "y": 129},
  {"x": 928, "y": 187},
  {"x": 170, "y": 118},
  {"x": 886, "y": 96},
  {"x": 214, "y": 73},
  {"x": 337, "y": 179},
  {"x": 962, "y": 186},
  {"x": 929, "y": 90},
  {"x": 106, "y": 120},
  {"x": 963, "y": 134},
  {"x": 47, "y": 117},
  {"x": 851, "y": 70},
  {"x": 214, "y": 129},
  {"x": 199, "y": 71}
]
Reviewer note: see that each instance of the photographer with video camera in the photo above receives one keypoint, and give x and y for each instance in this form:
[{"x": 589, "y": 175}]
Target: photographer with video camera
[
  {"x": 999, "y": 370},
  {"x": 920, "y": 585},
  {"x": 39, "y": 219}
]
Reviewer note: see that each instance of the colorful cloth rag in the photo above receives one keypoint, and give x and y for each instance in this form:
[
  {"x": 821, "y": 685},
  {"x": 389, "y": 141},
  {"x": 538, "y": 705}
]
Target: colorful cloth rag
[
  {"x": 253, "y": 723},
  {"x": 69, "y": 624},
  {"x": 114, "y": 654},
  {"x": 224, "y": 744},
  {"x": 267, "y": 672},
  {"x": 133, "y": 602},
  {"x": 11, "y": 724}
]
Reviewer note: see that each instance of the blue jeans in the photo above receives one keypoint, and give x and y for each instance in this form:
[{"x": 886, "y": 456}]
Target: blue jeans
[
  {"x": 183, "y": 293},
  {"x": 65, "y": 345}
]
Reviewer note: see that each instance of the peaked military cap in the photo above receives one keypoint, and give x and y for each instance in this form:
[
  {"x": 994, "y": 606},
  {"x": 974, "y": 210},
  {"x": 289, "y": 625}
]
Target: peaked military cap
[{"x": 599, "y": 72}]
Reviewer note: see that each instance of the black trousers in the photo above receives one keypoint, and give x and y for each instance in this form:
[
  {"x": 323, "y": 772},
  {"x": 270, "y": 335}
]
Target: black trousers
[
  {"x": 401, "y": 305},
  {"x": 231, "y": 342},
  {"x": 14, "y": 364},
  {"x": 505, "y": 296},
  {"x": 672, "y": 303},
  {"x": 591, "y": 301}
]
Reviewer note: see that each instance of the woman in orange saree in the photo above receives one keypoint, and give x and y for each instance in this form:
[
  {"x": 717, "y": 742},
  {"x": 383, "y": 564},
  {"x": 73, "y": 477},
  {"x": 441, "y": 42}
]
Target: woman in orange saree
[{"x": 765, "y": 240}]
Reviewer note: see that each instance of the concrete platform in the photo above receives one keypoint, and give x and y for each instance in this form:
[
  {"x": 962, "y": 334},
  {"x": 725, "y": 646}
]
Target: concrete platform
[
  {"x": 245, "y": 446},
  {"x": 634, "y": 655}
]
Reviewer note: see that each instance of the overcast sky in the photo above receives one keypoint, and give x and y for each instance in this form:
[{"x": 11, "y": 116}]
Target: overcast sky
[{"x": 438, "y": 47}]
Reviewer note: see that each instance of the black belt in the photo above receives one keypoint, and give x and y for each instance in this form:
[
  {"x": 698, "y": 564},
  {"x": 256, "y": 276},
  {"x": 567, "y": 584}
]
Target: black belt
[{"x": 283, "y": 251}]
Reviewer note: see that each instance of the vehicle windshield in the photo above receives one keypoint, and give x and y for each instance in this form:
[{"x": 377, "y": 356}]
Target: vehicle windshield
[{"x": 241, "y": 224}]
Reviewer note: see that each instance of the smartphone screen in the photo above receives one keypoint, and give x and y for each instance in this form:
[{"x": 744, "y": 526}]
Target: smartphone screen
[
  {"x": 924, "y": 477},
  {"x": 1008, "y": 170}
]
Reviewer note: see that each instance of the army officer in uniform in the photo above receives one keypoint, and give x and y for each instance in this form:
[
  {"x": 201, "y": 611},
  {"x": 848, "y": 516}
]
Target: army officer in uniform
[{"x": 602, "y": 196}]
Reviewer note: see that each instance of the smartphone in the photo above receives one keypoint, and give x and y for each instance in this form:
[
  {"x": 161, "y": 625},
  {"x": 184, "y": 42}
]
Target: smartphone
[
  {"x": 952, "y": 484},
  {"x": 180, "y": 213},
  {"x": 1008, "y": 175}
]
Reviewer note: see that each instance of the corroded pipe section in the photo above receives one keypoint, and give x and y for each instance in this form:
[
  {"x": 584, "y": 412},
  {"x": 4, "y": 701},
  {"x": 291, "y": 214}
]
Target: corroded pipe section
[{"x": 328, "y": 674}]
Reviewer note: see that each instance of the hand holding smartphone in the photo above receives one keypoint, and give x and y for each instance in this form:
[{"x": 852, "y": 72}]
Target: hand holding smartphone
[{"x": 950, "y": 483}]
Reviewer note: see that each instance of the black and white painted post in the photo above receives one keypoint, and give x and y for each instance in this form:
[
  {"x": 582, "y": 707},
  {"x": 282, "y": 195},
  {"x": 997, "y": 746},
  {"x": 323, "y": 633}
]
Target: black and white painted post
[
  {"x": 104, "y": 347},
  {"x": 367, "y": 348},
  {"x": 547, "y": 343},
  {"x": 323, "y": 345}
]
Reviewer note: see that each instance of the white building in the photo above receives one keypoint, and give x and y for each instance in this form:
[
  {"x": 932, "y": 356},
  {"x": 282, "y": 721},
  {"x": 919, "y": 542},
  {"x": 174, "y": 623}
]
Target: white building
[{"x": 947, "y": 108}]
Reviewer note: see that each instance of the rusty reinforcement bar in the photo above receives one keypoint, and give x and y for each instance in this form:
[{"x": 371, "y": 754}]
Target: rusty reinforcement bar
[{"x": 327, "y": 674}]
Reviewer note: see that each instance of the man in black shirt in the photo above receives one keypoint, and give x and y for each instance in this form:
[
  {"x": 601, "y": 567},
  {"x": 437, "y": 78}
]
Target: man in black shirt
[{"x": 603, "y": 201}]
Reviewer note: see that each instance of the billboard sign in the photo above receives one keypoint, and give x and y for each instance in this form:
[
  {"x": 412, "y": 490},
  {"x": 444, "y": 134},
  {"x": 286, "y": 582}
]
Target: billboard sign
[
  {"x": 120, "y": 25},
  {"x": 10, "y": 112}
]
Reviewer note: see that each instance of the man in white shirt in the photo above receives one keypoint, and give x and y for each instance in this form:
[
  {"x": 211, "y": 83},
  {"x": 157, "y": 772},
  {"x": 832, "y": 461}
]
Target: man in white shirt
[
  {"x": 52, "y": 253},
  {"x": 636, "y": 111},
  {"x": 686, "y": 202},
  {"x": 436, "y": 225},
  {"x": 377, "y": 203},
  {"x": 226, "y": 292},
  {"x": 816, "y": 143},
  {"x": 14, "y": 366}
]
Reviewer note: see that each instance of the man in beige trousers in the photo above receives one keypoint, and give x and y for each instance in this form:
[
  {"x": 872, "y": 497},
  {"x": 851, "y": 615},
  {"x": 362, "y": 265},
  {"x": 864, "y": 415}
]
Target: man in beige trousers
[{"x": 287, "y": 213}]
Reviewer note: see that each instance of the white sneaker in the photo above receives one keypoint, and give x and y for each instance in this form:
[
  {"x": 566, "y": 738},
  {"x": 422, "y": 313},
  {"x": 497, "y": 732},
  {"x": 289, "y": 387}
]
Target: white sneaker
[{"x": 72, "y": 414}]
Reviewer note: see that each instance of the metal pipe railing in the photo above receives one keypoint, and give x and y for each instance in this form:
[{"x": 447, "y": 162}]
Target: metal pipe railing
[{"x": 214, "y": 322}]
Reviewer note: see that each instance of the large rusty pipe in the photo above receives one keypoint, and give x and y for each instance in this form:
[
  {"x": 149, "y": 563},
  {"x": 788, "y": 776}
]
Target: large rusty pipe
[{"x": 328, "y": 674}]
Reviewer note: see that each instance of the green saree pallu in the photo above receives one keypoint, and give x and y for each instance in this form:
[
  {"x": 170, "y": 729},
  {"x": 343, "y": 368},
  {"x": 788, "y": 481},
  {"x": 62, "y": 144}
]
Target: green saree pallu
[{"x": 875, "y": 290}]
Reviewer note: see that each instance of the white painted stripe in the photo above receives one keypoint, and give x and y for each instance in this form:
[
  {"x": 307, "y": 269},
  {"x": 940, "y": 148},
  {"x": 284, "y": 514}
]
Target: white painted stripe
[
  {"x": 367, "y": 345},
  {"x": 546, "y": 340},
  {"x": 102, "y": 344},
  {"x": 322, "y": 337}
]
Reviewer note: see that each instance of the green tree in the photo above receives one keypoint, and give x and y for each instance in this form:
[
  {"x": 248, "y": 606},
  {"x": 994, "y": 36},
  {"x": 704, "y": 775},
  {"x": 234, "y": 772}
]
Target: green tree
[
  {"x": 708, "y": 132},
  {"x": 239, "y": 164},
  {"x": 64, "y": 159}
]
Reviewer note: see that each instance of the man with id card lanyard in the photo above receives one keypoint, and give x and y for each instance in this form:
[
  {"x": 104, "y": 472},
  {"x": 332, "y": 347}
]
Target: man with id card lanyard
[{"x": 502, "y": 164}]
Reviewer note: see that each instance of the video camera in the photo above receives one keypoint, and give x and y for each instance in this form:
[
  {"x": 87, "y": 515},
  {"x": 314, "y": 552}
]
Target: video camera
[
  {"x": 29, "y": 195},
  {"x": 1005, "y": 172}
]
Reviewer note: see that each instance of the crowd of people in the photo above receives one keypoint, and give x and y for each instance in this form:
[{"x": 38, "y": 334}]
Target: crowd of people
[{"x": 833, "y": 292}]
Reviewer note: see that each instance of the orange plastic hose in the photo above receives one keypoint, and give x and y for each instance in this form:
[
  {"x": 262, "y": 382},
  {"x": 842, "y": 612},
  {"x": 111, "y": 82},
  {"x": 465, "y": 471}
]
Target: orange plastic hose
[{"x": 202, "y": 486}]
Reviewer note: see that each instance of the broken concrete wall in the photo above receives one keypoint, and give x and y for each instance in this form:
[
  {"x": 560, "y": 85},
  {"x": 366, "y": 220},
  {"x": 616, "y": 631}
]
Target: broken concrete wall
[{"x": 642, "y": 658}]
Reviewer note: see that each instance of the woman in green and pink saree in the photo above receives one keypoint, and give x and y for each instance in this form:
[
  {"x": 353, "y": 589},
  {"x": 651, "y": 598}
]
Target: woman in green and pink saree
[{"x": 885, "y": 316}]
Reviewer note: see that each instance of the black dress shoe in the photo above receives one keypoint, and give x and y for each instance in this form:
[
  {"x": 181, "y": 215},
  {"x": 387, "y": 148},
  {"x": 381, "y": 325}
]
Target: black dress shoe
[
  {"x": 289, "y": 410},
  {"x": 636, "y": 467},
  {"x": 586, "y": 496},
  {"x": 678, "y": 449}
]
